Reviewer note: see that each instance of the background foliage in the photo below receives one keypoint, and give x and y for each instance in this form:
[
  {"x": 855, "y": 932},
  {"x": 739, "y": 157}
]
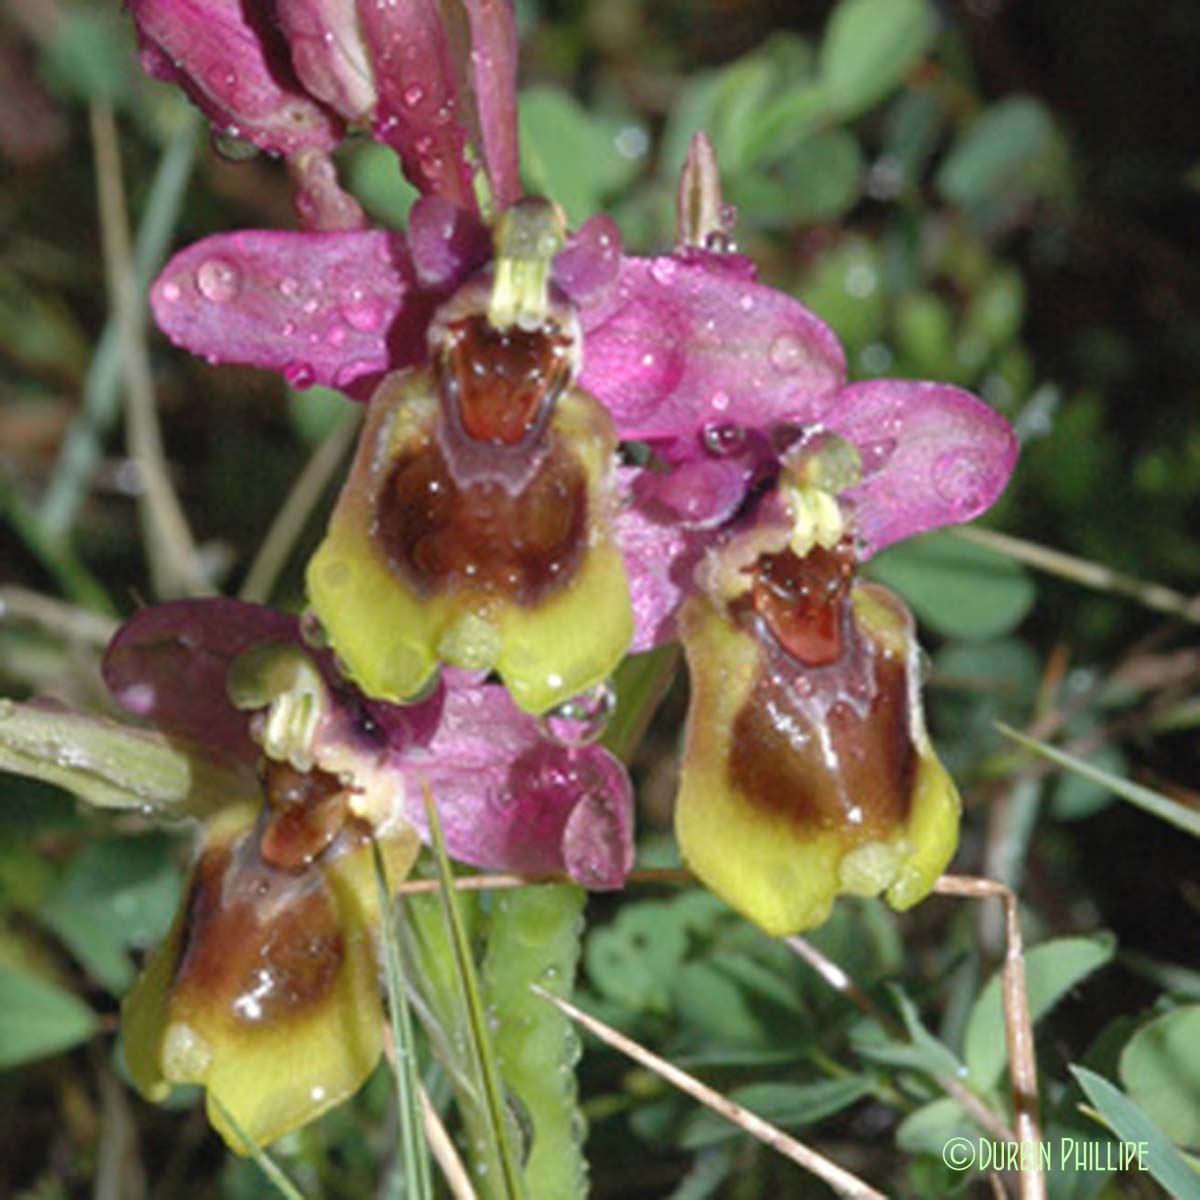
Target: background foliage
[{"x": 995, "y": 194}]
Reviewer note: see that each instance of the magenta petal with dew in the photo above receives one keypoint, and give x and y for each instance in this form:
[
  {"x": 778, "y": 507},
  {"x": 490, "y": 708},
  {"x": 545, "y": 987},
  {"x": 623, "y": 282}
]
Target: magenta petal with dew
[
  {"x": 169, "y": 665},
  {"x": 327, "y": 308},
  {"x": 660, "y": 560},
  {"x": 683, "y": 340},
  {"x": 510, "y": 799},
  {"x": 329, "y": 54},
  {"x": 446, "y": 242},
  {"x": 233, "y": 62},
  {"x": 932, "y": 455},
  {"x": 493, "y": 67},
  {"x": 590, "y": 262},
  {"x": 418, "y": 113}
]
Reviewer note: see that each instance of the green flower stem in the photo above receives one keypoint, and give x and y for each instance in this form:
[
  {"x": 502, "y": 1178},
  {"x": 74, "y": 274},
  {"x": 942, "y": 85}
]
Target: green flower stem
[{"x": 534, "y": 938}]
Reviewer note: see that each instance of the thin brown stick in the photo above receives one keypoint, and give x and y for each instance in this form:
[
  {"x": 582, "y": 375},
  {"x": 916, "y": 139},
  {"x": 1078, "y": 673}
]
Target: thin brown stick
[
  {"x": 293, "y": 514},
  {"x": 838, "y": 1178},
  {"x": 458, "y": 1179},
  {"x": 841, "y": 982},
  {"x": 499, "y": 883},
  {"x": 174, "y": 562},
  {"x": 1018, "y": 1024}
]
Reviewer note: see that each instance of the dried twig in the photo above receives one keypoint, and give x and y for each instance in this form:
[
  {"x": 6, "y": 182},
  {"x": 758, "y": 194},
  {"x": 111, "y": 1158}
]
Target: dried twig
[
  {"x": 838, "y": 1178},
  {"x": 1018, "y": 1024}
]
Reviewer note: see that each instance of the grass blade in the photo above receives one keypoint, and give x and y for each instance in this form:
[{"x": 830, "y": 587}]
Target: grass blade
[
  {"x": 1155, "y": 803},
  {"x": 266, "y": 1164},
  {"x": 418, "y": 1184}
]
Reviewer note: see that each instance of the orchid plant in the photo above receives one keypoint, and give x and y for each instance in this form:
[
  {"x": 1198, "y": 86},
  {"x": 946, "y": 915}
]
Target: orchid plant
[{"x": 570, "y": 455}]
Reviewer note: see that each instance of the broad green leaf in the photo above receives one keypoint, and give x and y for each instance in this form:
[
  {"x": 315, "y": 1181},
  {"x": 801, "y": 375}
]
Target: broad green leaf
[
  {"x": 374, "y": 177},
  {"x": 922, "y": 1051},
  {"x": 869, "y": 47},
  {"x": 39, "y": 1018},
  {"x": 1077, "y": 796},
  {"x": 634, "y": 959},
  {"x": 1051, "y": 970},
  {"x": 569, "y": 154},
  {"x": 1011, "y": 140},
  {"x": 1130, "y": 1124},
  {"x": 1160, "y": 1068},
  {"x": 788, "y": 1105},
  {"x": 316, "y": 412},
  {"x": 89, "y": 53},
  {"x": 929, "y": 1128},
  {"x": 1144, "y": 798},
  {"x": 957, "y": 588}
]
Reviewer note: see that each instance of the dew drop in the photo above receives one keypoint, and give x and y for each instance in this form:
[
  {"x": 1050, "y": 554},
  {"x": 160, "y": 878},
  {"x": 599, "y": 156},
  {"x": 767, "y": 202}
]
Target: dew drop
[
  {"x": 788, "y": 353},
  {"x": 363, "y": 314},
  {"x": 288, "y": 329},
  {"x": 232, "y": 148},
  {"x": 337, "y": 334},
  {"x": 171, "y": 292},
  {"x": 722, "y": 439},
  {"x": 719, "y": 401},
  {"x": 960, "y": 478},
  {"x": 746, "y": 303},
  {"x": 288, "y": 286},
  {"x": 875, "y": 455},
  {"x": 299, "y": 375},
  {"x": 583, "y": 719},
  {"x": 413, "y": 95},
  {"x": 664, "y": 270},
  {"x": 218, "y": 279},
  {"x": 719, "y": 243}
]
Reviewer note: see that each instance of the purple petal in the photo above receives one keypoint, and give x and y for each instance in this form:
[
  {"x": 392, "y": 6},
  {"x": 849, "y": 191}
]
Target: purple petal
[
  {"x": 660, "y": 560},
  {"x": 447, "y": 243},
  {"x": 701, "y": 493},
  {"x": 932, "y": 455},
  {"x": 419, "y": 97},
  {"x": 331, "y": 308},
  {"x": 328, "y": 53},
  {"x": 494, "y": 84},
  {"x": 689, "y": 339},
  {"x": 510, "y": 799},
  {"x": 591, "y": 260},
  {"x": 234, "y": 64},
  {"x": 169, "y": 664}
]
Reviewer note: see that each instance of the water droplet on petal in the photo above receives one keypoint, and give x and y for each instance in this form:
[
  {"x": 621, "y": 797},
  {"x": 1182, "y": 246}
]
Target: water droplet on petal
[
  {"x": 719, "y": 401},
  {"x": 288, "y": 286},
  {"x": 722, "y": 439},
  {"x": 170, "y": 292},
  {"x": 664, "y": 270},
  {"x": 583, "y": 719},
  {"x": 413, "y": 95},
  {"x": 788, "y": 353},
  {"x": 288, "y": 329},
  {"x": 231, "y": 148},
  {"x": 876, "y": 455},
  {"x": 299, "y": 375},
  {"x": 746, "y": 303},
  {"x": 363, "y": 314},
  {"x": 961, "y": 478},
  {"x": 218, "y": 279},
  {"x": 337, "y": 334}
]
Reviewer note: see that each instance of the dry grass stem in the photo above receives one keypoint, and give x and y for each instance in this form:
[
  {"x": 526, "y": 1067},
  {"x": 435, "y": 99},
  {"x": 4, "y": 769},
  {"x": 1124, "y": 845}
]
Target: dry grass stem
[
  {"x": 458, "y": 1180},
  {"x": 499, "y": 883},
  {"x": 841, "y": 982},
  {"x": 293, "y": 514},
  {"x": 174, "y": 561},
  {"x": 69, "y": 621},
  {"x": 1018, "y": 1024},
  {"x": 1086, "y": 573},
  {"x": 842, "y": 1181}
]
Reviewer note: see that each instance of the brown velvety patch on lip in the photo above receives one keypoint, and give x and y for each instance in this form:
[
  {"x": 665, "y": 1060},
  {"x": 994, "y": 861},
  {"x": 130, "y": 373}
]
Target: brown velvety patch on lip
[
  {"x": 307, "y": 810},
  {"x": 777, "y": 760},
  {"x": 259, "y": 944},
  {"x": 501, "y": 379},
  {"x": 443, "y": 537}
]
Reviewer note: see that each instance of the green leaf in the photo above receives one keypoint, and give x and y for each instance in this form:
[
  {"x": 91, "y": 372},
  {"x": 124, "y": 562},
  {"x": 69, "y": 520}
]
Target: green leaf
[
  {"x": 921, "y": 1052},
  {"x": 635, "y": 959},
  {"x": 1155, "y": 803},
  {"x": 111, "y": 765},
  {"x": 927, "y": 1129},
  {"x": 1131, "y": 1124},
  {"x": 1051, "y": 970},
  {"x": 869, "y": 47},
  {"x": 1160, "y": 1068},
  {"x": 957, "y": 588},
  {"x": 1077, "y": 796},
  {"x": 316, "y": 412},
  {"x": 40, "y": 1018},
  {"x": 788, "y": 1105},
  {"x": 89, "y": 53},
  {"x": 570, "y": 155},
  {"x": 373, "y": 176},
  {"x": 1008, "y": 143}
]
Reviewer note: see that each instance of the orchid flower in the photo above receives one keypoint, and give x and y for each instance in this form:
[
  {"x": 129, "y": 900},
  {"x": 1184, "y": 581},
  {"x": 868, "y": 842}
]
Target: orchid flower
[
  {"x": 266, "y": 990},
  {"x": 770, "y": 482}
]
